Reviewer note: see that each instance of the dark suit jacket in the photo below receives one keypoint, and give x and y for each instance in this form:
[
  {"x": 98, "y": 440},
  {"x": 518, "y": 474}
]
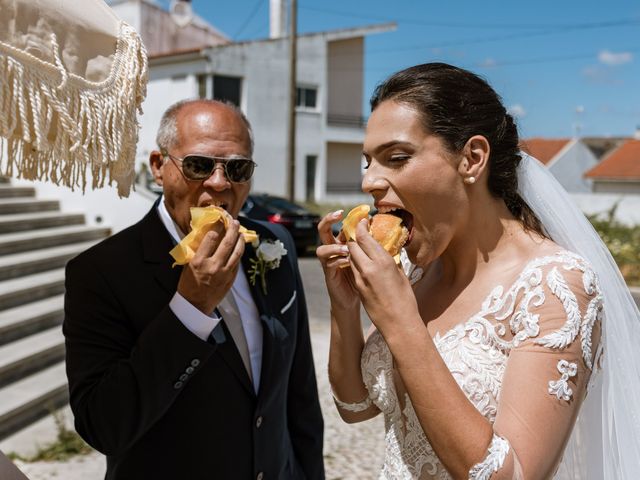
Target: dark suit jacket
[{"x": 163, "y": 404}]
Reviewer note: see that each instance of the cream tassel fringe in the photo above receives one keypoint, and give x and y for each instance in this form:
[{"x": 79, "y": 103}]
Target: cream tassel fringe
[{"x": 58, "y": 125}]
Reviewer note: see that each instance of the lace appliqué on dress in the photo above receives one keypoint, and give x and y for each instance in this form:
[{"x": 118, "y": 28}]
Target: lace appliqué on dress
[
  {"x": 476, "y": 352},
  {"x": 360, "y": 406},
  {"x": 413, "y": 272},
  {"x": 561, "y": 388},
  {"x": 494, "y": 460}
]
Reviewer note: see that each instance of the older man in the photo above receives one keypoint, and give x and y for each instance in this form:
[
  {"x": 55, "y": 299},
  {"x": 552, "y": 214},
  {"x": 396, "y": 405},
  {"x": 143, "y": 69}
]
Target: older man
[{"x": 193, "y": 372}]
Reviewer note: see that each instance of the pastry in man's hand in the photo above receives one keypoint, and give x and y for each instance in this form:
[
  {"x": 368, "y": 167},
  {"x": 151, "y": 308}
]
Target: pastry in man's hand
[{"x": 202, "y": 219}]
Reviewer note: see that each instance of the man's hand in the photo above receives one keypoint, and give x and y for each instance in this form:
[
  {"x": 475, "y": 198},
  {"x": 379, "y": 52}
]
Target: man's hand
[{"x": 207, "y": 278}]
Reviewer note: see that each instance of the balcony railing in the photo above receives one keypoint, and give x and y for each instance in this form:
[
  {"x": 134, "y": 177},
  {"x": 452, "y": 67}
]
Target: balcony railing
[{"x": 346, "y": 120}]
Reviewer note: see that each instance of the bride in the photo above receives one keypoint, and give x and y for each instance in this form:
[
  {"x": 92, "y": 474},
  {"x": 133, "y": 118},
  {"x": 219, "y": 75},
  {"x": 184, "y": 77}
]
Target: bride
[{"x": 505, "y": 349}]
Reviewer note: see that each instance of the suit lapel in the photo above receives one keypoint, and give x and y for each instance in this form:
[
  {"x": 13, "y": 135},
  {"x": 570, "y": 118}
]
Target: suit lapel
[{"x": 156, "y": 244}]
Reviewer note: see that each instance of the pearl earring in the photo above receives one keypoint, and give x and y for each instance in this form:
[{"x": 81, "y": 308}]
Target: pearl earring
[{"x": 470, "y": 180}]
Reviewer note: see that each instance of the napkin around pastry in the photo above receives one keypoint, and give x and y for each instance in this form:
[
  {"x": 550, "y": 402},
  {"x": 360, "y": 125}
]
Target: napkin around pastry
[{"x": 201, "y": 220}]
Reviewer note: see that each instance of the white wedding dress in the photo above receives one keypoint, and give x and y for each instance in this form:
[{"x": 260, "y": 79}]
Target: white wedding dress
[
  {"x": 527, "y": 359},
  {"x": 541, "y": 333}
]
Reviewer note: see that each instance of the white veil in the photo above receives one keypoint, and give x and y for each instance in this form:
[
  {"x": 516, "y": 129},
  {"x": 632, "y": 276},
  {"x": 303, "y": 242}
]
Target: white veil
[{"x": 605, "y": 443}]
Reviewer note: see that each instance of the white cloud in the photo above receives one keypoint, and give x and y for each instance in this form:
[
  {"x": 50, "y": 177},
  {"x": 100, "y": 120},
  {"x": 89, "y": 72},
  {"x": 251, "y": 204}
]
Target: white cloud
[
  {"x": 517, "y": 111},
  {"x": 488, "y": 62},
  {"x": 611, "y": 58},
  {"x": 600, "y": 75}
]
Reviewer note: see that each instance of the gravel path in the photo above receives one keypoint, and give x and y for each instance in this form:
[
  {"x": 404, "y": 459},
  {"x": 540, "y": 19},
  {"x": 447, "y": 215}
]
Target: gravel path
[{"x": 352, "y": 452}]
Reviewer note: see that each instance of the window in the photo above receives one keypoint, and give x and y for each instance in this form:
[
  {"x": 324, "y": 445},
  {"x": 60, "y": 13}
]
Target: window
[
  {"x": 220, "y": 87},
  {"x": 227, "y": 89},
  {"x": 202, "y": 86},
  {"x": 311, "y": 161},
  {"x": 306, "y": 97}
]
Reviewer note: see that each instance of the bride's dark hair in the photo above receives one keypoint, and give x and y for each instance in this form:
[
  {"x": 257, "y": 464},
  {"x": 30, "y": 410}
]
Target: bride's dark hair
[{"x": 455, "y": 105}]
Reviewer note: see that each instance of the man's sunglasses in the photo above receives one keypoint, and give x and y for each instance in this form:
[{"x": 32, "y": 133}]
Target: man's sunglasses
[{"x": 201, "y": 167}]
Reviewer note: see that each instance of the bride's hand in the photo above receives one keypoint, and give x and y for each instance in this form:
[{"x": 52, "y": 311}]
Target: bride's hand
[
  {"x": 334, "y": 257},
  {"x": 383, "y": 287}
]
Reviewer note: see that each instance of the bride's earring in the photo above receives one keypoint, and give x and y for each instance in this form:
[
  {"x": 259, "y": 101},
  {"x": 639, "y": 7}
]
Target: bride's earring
[{"x": 470, "y": 180}]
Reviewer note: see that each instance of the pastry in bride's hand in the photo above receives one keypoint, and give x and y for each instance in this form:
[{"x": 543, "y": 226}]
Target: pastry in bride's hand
[
  {"x": 202, "y": 218},
  {"x": 387, "y": 229}
]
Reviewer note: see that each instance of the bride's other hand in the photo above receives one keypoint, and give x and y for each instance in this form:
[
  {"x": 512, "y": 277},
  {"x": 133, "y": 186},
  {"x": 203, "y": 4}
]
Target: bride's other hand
[
  {"x": 383, "y": 287},
  {"x": 334, "y": 257}
]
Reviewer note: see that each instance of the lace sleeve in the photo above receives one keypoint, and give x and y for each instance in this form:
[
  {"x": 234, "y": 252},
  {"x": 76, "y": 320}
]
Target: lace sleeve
[
  {"x": 548, "y": 371},
  {"x": 494, "y": 460}
]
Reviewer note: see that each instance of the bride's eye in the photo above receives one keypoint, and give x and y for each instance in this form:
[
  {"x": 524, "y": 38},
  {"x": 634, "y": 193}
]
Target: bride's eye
[{"x": 399, "y": 158}]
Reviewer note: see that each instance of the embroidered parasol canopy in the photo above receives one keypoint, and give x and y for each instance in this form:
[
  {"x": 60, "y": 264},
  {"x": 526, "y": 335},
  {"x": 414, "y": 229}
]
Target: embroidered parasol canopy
[{"x": 72, "y": 79}]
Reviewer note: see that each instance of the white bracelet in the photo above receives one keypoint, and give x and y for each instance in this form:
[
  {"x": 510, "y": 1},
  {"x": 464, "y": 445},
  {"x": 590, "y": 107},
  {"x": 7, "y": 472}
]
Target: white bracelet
[
  {"x": 360, "y": 406},
  {"x": 493, "y": 461}
]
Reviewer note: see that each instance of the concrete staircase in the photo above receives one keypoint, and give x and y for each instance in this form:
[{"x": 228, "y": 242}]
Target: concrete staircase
[{"x": 36, "y": 240}]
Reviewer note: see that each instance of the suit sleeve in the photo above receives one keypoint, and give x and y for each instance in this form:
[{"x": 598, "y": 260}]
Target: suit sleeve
[
  {"x": 121, "y": 381},
  {"x": 303, "y": 406}
]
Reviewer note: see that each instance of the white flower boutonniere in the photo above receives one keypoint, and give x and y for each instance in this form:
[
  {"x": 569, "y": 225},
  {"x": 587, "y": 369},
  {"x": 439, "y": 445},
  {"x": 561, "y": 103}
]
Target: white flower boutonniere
[{"x": 268, "y": 256}]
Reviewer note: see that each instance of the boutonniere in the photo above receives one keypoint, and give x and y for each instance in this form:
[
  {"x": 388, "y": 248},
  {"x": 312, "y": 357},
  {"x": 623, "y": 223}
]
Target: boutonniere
[{"x": 268, "y": 255}]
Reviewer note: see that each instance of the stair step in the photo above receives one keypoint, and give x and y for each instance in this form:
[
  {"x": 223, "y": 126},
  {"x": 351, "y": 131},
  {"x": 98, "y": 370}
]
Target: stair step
[
  {"x": 23, "y": 205},
  {"x": 18, "y": 291},
  {"x": 18, "y": 322},
  {"x": 33, "y": 397},
  {"x": 49, "y": 237},
  {"x": 35, "y": 221},
  {"x": 6, "y": 191},
  {"x": 29, "y": 440},
  {"x": 26, "y": 263},
  {"x": 30, "y": 354}
]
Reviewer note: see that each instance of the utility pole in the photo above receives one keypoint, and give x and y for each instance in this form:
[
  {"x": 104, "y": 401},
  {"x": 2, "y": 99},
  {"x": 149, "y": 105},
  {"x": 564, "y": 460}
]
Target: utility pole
[{"x": 293, "y": 33}]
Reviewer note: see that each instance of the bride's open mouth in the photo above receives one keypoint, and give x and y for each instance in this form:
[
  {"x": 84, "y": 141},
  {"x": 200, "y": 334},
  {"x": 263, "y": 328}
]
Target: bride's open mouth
[{"x": 405, "y": 216}]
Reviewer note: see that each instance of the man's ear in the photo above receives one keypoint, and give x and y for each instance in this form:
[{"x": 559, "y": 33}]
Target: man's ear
[
  {"x": 475, "y": 157},
  {"x": 156, "y": 161}
]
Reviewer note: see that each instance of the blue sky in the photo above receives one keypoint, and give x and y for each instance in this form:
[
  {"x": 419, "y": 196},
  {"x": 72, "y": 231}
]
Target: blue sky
[{"x": 557, "y": 64}]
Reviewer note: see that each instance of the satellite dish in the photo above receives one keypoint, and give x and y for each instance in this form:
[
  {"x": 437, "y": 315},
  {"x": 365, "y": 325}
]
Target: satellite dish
[{"x": 181, "y": 12}]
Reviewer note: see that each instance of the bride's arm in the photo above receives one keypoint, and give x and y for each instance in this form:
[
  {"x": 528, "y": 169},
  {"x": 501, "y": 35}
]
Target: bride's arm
[
  {"x": 347, "y": 340},
  {"x": 345, "y": 375},
  {"x": 534, "y": 419}
]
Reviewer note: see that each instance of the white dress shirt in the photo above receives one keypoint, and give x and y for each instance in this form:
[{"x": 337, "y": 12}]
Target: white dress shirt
[{"x": 201, "y": 324}]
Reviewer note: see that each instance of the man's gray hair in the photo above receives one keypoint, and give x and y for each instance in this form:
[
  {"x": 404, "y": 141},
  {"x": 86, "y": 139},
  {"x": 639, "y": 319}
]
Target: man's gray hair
[{"x": 167, "y": 136}]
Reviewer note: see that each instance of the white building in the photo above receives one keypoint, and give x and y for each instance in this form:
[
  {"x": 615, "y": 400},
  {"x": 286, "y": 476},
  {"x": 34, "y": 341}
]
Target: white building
[
  {"x": 566, "y": 159},
  {"x": 255, "y": 76},
  {"x": 602, "y": 174}
]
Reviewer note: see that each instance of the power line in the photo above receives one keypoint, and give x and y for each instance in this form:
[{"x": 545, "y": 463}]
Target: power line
[
  {"x": 561, "y": 58},
  {"x": 476, "y": 26},
  {"x": 253, "y": 13},
  {"x": 510, "y": 36}
]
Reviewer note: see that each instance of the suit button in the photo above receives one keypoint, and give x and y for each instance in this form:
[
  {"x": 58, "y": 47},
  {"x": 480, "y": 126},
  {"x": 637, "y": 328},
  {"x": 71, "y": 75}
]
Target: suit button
[
  {"x": 258, "y": 422},
  {"x": 195, "y": 362},
  {"x": 184, "y": 377},
  {"x": 260, "y": 476},
  {"x": 177, "y": 385},
  {"x": 190, "y": 370}
]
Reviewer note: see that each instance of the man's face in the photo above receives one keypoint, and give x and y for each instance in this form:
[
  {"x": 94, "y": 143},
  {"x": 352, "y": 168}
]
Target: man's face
[{"x": 205, "y": 129}]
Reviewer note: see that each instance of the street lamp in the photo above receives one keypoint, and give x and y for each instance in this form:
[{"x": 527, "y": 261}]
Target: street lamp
[{"x": 181, "y": 12}]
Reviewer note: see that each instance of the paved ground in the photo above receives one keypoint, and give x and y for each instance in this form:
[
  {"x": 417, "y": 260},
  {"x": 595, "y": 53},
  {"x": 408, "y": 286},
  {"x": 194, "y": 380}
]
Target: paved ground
[{"x": 352, "y": 452}]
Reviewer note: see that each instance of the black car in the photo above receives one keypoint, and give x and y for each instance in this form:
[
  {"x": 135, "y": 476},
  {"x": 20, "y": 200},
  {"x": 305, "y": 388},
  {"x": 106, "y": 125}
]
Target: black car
[{"x": 301, "y": 223}]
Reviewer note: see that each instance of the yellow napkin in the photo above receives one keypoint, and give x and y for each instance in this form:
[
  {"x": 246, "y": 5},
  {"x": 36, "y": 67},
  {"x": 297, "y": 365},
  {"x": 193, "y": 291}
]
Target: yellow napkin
[{"x": 201, "y": 220}]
